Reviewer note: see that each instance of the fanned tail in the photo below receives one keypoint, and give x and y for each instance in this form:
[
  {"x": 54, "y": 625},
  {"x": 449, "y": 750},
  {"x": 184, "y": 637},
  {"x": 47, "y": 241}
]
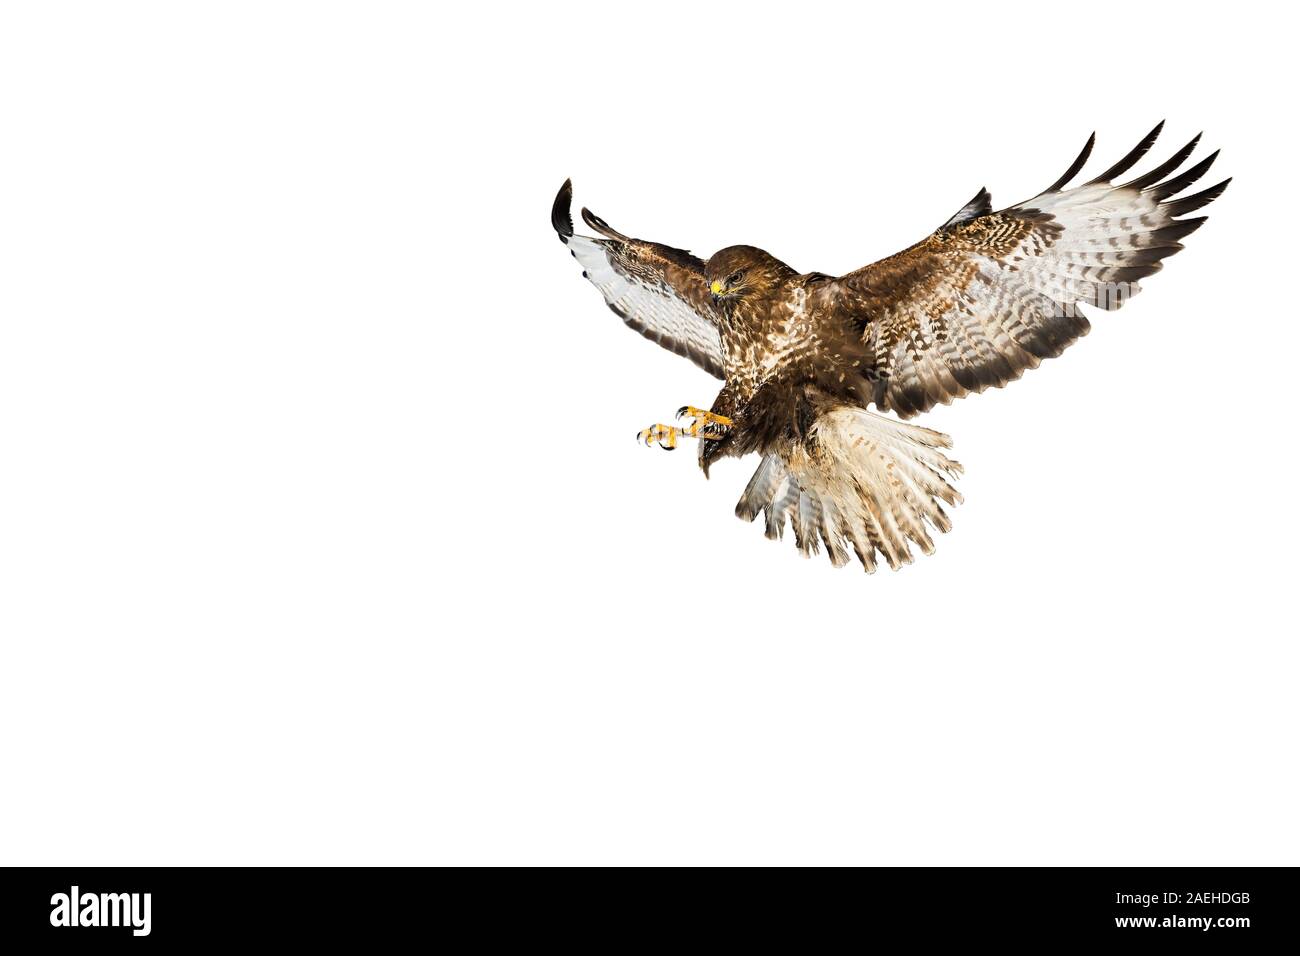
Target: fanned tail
[{"x": 859, "y": 481}]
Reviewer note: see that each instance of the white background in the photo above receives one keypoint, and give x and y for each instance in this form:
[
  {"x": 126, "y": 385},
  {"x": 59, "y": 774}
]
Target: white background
[{"x": 324, "y": 537}]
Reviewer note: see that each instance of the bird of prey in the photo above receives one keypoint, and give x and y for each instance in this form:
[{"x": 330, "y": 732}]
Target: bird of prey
[{"x": 803, "y": 356}]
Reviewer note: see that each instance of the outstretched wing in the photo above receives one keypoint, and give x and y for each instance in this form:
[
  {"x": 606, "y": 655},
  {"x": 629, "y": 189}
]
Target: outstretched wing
[
  {"x": 990, "y": 294},
  {"x": 657, "y": 290}
]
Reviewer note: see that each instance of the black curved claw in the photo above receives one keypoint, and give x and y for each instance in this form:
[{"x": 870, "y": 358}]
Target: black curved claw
[{"x": 682, "y": 411}]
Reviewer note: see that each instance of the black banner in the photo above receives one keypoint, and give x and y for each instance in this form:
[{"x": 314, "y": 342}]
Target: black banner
[{"x": 1223, "y": 909}]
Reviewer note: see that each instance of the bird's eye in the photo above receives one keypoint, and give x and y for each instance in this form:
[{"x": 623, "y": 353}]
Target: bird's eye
[{"x": 735, "y": 277}]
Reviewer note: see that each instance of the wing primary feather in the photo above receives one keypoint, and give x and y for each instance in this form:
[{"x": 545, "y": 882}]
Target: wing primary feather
[
  {"x": 1074, "y": 166},
  {"x": 1179, "y": 207},
  {"x": 561, "y": 218},
  {"x": 1136, "y": 153},
  {"x": 601, "y": 226},
  {"x": 1176, "y": 231},
  {"x": 1165, "y": 168},
  {"x": 1179, "y": 183},
  {"x": 981, "y": 204}
]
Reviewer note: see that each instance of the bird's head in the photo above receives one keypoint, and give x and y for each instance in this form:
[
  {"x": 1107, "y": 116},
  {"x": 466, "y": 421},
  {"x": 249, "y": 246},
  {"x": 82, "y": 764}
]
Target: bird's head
[{"x": 741, "y": 271}]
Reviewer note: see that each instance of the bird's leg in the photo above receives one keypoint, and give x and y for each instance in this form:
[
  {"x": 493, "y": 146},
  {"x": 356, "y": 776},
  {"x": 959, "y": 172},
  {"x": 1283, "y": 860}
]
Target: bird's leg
[{"x": 704, "y": 425}]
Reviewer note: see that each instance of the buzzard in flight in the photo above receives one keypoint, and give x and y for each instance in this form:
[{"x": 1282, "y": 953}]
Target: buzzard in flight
[{"x": 803, "y": 356}]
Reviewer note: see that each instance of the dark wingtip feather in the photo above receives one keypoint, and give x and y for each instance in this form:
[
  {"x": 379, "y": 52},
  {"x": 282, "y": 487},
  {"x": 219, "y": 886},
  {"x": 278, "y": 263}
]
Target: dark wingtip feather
[
  {"x": 1179, "y": 207},
  {"x": 1176, "y": 231},
  {"x": 981, "y": 204},
  {"x": 600, "y": 225},
  {"x": 560, "y": 216},
  {"x": 1179, "y": 183},
  {"x": 1165, "y": 168},
  {"x": 1136, "y": 153},
  {"x": 1074, "y": 166}
]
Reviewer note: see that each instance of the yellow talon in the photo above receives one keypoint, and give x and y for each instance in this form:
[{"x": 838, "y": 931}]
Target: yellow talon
[
  {"x": 701, "y": 414},
  {"x": 704, "y": 425},
  {"x": 665, "y": 435}
]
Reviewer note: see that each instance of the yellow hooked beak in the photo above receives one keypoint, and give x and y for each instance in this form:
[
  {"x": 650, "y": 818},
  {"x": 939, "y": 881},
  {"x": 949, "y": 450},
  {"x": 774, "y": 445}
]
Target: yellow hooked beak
[{"x": 715, "y": 287}]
